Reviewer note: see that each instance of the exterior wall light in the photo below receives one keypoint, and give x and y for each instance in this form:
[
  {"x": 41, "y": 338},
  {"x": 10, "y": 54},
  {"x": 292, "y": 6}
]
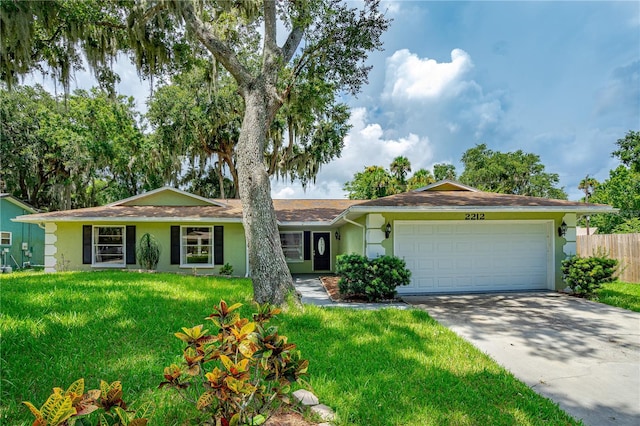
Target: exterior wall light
[
  {"x": 562, "y": 229},
  {"x": 387, "y": 230},
  {"x": 337, "y": 234}
]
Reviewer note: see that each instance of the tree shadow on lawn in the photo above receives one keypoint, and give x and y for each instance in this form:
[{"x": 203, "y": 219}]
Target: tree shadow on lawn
[
  {"x": 401, "y": 367},
  {"x": 57, "y": 330}
]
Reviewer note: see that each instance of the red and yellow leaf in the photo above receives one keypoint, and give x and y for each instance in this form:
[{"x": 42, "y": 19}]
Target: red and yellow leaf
[
  {"x": 33, "y": 409},
  {"x": 205, "y": 400},
  {"x": 228, "y": 364},
  {"x": 76, "y": 389},
  {"x": 57, "y": 409}
]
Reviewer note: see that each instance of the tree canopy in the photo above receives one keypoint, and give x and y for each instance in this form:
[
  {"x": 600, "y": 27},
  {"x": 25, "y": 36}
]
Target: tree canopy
[
  {"x": 629, "y": 150},
  {"x": 516, "y": 173},
  {"x": 86, "y": 151},
  {"x": 376, "y": 181},
  {"x": 241, "y": 37},
  {"x": 442, "y": 171},
  {"x": 508, "y": 173},
  {"x": 621, "y": 190}
]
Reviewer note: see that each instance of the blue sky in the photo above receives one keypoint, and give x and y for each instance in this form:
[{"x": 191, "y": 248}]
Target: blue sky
[{"x": 558, "y": 79}]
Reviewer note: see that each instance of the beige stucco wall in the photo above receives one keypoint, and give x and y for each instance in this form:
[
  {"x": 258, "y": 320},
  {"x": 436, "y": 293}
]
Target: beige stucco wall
[
  {"x": 352, "y": 238},
  {"x": 68, "y": 246},
  {"x": 167, "y": 198}
]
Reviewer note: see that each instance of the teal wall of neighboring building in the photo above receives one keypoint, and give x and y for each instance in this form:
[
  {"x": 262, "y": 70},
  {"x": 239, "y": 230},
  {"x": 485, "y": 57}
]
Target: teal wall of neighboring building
[{"x": 28, "y": 233}]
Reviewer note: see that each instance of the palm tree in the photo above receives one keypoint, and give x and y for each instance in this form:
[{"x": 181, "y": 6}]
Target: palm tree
[
  {"x": 420, "y": 178},
  {"x": 588, "y": 185},
  {"x": 400, "y": 166}
]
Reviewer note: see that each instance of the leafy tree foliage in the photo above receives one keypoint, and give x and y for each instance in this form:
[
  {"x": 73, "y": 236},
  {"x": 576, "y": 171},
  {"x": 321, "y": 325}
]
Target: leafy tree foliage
[
  {"x": 588, "y": 185},
  {"x": 400, "y": 166},
  {"x": 200, "y": 115},
  {"x": 242, "y": 37},
  {"x": 509, "y": 173},
  {"x": 86, "y": 152},
  {"x": 198, "y": 126},
  {"x": 444, "y": 171},
  {"x": 629, "y": 150},
  {"x": 620, "y": 190},
  {"x": 421, "y": 178},
  {"x": 374, "y": 182}
]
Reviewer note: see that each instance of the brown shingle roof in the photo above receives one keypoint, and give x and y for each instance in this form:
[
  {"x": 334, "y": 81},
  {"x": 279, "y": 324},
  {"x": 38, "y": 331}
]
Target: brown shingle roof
[
  {"x": 469, "y": 199},
  {"x": 122, "y": 212},
  {"x": 322, "y": 210}
]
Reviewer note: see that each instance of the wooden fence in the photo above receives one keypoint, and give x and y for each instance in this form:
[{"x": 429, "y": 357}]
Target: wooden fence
[{"x": 624, "y": 247}]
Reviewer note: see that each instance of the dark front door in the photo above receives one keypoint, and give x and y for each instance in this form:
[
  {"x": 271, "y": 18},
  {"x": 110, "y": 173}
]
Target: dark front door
[{"x": 321, "y": 251}]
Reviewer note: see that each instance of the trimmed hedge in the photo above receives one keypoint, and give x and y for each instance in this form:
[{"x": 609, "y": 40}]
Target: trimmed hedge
[
  {"x": 374, "y": 279},
  {"x": 586, "y": 274}
]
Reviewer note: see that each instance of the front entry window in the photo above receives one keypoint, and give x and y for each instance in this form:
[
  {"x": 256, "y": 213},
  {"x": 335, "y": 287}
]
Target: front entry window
[
  {"x": 197, "y": 246},
  {"x": 292, "y": 246},
  {"x": 108, "y": 246}
]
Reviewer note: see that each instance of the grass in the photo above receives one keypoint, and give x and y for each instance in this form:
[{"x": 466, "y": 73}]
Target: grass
[
  {"x": 622, "y": 295},
  {"x": 386, "y": 367}
]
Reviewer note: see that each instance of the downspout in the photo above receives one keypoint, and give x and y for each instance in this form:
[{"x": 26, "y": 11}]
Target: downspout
[
  {"x": 246, "y": 250},
  {"x": 364, "y": 234}
]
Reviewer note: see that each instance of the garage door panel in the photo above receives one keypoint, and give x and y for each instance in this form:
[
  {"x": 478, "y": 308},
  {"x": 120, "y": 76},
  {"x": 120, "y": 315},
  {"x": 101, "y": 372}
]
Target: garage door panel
[{"x": 458, "y": 257}]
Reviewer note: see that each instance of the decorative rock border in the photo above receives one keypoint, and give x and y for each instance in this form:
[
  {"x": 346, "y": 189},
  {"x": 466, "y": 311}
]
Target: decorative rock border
[{"x": 308, "y": 399}]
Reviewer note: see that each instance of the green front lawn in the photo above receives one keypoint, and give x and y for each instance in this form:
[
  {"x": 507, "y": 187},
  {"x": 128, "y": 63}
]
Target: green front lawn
[
  {"x": 622, "y": 295},
  {"x": 386, "y": 367}
]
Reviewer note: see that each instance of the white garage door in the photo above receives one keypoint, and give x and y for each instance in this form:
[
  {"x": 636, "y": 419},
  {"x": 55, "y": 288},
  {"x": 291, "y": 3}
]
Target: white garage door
[{"x": 449, "y": 257}]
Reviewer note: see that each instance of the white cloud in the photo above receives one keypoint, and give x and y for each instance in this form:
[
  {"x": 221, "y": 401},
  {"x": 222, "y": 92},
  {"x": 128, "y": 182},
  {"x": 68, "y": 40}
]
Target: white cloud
[
  {"x": 365, "y": 145},
  {"x": 411, "y": 77}
]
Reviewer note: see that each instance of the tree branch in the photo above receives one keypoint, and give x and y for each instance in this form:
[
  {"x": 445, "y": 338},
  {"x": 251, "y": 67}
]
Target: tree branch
[
  {"x": 291, "y": 45},
  {"x": 221, "y": 51}
]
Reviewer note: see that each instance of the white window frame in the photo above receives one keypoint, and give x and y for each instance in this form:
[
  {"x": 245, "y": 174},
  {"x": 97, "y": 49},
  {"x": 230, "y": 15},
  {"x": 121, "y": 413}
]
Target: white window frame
[
  {"x": 183, "y": 253},
  {"x": 3, "y": 237},
  {"x": 95, "y": 245},
  {"x": 300, "y": 247}
]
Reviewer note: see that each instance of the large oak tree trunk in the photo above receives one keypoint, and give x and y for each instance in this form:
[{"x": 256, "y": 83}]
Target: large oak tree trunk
[{"x": 266, "y": 260}]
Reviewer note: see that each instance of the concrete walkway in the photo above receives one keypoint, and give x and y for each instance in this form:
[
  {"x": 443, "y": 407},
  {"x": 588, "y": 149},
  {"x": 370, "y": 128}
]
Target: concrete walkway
[
  {"x": 581, "y": 354},
  {"x": 313, "y": 293}
]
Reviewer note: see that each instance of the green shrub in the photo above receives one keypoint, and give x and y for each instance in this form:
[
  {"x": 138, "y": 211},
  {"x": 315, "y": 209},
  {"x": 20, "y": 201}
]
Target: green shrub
[
  {"x": 226, "y": 269},
  {"x": 148, "y": 252},
  {"x": 374, "y": 279},
  {"x": 583, "y": 275},
  {"x": 354, "y": 273}
]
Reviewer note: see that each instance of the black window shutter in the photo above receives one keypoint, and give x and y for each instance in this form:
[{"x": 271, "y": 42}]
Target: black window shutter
[
  {"x": 86, "y": 244},
  {"x": 175, "y": 245},
  {"x": 131, "y": 245},
  {"x": 218, "y": 245},
  {"x": 307, "y": 245}
]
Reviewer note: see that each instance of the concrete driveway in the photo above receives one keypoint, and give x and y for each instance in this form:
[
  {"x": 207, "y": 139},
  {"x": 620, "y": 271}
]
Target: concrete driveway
[{"x": 583, "y": 355}]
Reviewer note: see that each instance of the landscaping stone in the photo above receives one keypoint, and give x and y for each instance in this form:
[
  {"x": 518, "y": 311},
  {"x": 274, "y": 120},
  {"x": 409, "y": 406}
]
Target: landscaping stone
[
  {"x": 326, "y": 413},
  {"x": 305, "y": 397}
]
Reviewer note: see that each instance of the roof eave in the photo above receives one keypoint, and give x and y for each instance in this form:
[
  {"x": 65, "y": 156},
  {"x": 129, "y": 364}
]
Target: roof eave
[
  {"x": 21, "y": 204},
  {"x": 447, "y": 209},
  {"x": 307, "y": 224},
  {"x": 208, "y": 201},
  {"x": 35, "y": 219}
]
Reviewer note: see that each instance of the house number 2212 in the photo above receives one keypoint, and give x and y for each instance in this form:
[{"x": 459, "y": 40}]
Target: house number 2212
[{"x": 474, "y": 216}]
